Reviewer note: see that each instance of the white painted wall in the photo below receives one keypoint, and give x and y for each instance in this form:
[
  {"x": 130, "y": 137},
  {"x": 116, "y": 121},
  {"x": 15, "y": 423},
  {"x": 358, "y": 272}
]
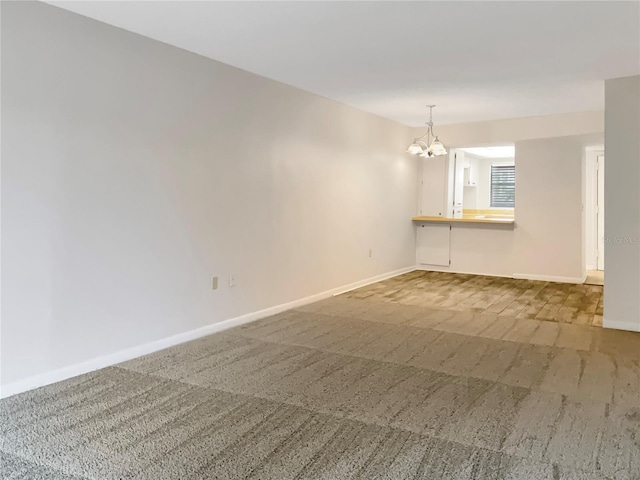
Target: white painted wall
[
  {"x": 622, "y": 203},
  {"x": 483, "y": 190},
  {"x": 433, "y": 186},
  {"x": 549, "y": 185},
  {"x": 470, "y": 199},
  {"x": 133, "y": 171}
]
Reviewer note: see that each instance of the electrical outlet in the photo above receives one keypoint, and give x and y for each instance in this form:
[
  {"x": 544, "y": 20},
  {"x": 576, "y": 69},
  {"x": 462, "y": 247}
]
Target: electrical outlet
[
  {"x": 214, "y": 283},
  {"x": 232, "y": 279}
]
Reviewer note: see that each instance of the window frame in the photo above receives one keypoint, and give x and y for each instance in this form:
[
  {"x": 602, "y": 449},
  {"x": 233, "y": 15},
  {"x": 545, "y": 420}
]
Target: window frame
[{"x": 497, "y": 167}]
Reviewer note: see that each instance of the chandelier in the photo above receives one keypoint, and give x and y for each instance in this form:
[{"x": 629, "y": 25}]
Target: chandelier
[{"x": 430, "y": 148}]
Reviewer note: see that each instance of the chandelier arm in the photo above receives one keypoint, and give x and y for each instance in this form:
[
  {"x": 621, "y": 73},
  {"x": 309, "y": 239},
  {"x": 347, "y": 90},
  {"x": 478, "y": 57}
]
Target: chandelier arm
[{"x": 425, "y": 134}]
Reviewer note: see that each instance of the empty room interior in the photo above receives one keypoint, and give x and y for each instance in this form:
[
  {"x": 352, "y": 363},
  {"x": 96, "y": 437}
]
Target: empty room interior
[{"x": 320, "y": 240}]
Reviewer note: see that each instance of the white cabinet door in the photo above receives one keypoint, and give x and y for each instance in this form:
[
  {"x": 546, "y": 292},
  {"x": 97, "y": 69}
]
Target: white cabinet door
[
  {"x": 472, "y": 173},
  {"x": 433, "y": 244},
  {"x": 434, "y": 181}
]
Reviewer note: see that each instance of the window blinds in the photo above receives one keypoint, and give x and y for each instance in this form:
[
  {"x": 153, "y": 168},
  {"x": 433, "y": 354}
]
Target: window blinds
[{"x": 503, "y": 186}]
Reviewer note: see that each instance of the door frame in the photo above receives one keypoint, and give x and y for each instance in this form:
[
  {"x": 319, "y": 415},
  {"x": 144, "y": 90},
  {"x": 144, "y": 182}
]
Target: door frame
[
  {"x": 600, "y": 211},
  {"x": 594, "y": 171}
]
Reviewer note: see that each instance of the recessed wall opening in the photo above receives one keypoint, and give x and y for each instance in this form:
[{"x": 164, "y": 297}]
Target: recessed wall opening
[{"x": 484, "y": 181}]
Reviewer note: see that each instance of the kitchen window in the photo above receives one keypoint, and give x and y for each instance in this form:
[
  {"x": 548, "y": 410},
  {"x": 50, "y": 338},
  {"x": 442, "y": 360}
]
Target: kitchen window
[{"x": 503, "y": 186}]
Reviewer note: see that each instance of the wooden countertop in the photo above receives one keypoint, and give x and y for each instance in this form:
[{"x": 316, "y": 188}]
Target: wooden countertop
[{"x": 495, "y": 221}]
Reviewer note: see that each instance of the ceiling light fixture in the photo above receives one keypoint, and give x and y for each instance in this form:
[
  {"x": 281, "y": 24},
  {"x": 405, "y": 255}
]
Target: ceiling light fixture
[{"x": 429, "y": 148}]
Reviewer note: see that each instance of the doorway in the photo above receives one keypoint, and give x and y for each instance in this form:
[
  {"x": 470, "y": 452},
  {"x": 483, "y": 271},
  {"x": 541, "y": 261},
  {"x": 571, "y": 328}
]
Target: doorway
[{"x": 595, "y": 216}]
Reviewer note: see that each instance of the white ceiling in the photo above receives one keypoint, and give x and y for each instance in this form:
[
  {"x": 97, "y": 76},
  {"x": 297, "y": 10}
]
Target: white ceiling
[{"x": 476, "y": 60}]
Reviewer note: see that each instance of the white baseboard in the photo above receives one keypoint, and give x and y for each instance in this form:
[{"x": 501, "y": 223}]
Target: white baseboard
[
  {"x": 429, "y": 268},
  {"x": 65, "y": 373},
  {"x": 364, "y": 283},
  {"x": 621, "y": 325},
  {"x": 520, "y": 276},
  {"x": 550, "y": 278}
]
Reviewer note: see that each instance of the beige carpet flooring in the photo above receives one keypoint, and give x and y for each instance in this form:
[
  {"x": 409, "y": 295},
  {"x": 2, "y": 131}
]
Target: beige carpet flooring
[
  {"x": 346, "y": 388},
  {"x": 595, "y": 277},
  {"x": 528, "y": 299}
]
